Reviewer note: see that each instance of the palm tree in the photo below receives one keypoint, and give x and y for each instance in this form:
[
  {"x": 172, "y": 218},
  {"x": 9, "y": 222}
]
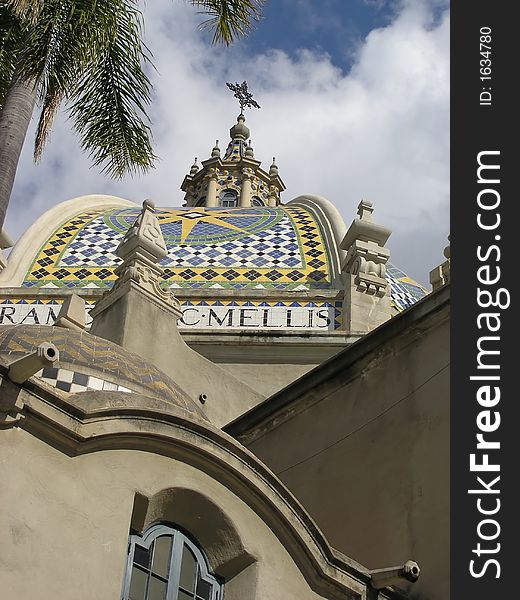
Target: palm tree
[{"x": 88, "y": 54}]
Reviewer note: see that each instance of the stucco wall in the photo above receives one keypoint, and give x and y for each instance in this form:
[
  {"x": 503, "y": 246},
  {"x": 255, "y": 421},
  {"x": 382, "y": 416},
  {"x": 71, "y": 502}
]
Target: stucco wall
[
  {"x": 65, "y": 522},
  {"x": 266, "y": 379},
  {"x": 367, "y": 453}
]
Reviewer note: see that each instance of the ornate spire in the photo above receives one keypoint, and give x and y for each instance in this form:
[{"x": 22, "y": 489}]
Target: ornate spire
[
  {"x": 215, "y": 153},
  {"x": 273, "y": 169},
  {"x": 249, "y": 150},
  {"x": 194, "y": 167},
  {"x": 235, "y": 171}
]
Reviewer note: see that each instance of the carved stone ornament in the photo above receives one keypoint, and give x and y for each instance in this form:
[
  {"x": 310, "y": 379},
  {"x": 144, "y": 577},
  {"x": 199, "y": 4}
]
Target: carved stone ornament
[
  {"x": 141, "y": 249},
  {"x": 144, "y": 237},
  {"x": 367, "y": 265},
  {"x": 366, "y": 255}
]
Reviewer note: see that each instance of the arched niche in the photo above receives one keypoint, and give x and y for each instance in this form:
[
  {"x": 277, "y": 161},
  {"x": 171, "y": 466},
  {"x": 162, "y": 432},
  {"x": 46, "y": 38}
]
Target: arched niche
[{"x": 211, "y": 527}]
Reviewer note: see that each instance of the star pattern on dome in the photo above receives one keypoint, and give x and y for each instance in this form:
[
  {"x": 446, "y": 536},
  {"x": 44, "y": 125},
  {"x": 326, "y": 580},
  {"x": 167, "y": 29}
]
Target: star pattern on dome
[{"x": 190, "y": 218}]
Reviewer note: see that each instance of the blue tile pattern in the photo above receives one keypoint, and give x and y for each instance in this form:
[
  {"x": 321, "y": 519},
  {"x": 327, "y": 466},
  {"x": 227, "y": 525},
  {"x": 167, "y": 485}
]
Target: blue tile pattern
[
  {"x": 280, "y": 248},
  {"x": 405, "y": 291},
  {"x": 235, "y": 248}
]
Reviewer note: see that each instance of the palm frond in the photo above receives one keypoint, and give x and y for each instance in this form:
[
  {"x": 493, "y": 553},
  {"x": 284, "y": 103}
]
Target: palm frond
[
  {"x": 108, "y": 106},
  {"x": 53, "y": 58},
  {"x": 89, "y": 54},
  {"x": 28, "y": 10},
  {"x": 229, "y": 19}
]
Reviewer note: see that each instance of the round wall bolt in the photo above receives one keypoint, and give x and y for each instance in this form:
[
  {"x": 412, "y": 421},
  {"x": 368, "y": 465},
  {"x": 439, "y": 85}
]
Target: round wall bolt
[{"x": 203, "y": 398}]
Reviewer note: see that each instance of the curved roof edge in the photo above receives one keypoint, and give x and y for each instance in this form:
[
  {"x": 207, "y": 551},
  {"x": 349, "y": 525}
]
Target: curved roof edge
[
  {"x": 334, "y": 227},
  {"x": 30, "y": 242}
]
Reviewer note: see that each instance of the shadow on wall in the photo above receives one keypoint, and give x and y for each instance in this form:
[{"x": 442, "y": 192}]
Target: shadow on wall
[{"x": 211, "y": 528}]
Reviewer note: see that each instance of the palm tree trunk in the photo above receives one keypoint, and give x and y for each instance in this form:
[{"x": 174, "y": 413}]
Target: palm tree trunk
[{"x": 15, "y": 118}]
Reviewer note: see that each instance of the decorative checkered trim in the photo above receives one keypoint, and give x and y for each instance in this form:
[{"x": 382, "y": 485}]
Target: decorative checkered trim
[{"x": 73, "y": 382}]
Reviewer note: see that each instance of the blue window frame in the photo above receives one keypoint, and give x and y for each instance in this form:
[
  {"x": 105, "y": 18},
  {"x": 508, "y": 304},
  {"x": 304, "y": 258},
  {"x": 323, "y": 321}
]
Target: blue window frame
[{"x": 163, "y": 564}]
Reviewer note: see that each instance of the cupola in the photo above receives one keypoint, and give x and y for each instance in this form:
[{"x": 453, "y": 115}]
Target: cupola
[{"x": 235, "y": 179}]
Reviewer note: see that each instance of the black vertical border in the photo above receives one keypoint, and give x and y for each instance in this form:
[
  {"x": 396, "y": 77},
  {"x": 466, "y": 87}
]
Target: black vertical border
[{"x": 476, "y": 128}]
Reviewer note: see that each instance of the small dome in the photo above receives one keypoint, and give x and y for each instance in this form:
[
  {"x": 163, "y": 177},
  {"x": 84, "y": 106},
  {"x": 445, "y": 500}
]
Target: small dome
[
  {"x": 240, "y": 130},
  {"x": 88, "y": 362}
]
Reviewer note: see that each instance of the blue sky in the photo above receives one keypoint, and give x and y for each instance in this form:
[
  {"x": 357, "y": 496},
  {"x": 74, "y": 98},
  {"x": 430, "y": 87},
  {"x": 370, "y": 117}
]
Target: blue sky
[
  {"x": 336, "y": 27},
  {"x": 355, "y": 104}
]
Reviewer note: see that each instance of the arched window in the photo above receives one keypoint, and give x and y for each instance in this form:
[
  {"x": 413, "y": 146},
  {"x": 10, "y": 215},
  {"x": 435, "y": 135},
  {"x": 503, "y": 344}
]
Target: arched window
[
  {"x": 163, "y": 564},
  {"x": 201, "y": 201},
  {"x": 228, "y": 198},
  {"x": 255, "y": 201}
]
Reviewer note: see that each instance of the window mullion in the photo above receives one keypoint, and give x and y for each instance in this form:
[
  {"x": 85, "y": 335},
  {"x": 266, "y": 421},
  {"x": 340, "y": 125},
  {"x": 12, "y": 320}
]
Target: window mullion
[{"x": 175, "y": 568}]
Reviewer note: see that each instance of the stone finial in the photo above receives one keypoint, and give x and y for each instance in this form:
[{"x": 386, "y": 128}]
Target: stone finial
[
  {"x": 273, "y": 169},
  {"x": 141, "y": 249},
  {"x": 144, "y": 238},
  {"x": 249, "y": 151},
  {"x": 72, "y": 313},
  {"x": 215, "y": 152},
  {"x": 440, "y": 276},
  {"x": 367, "y": 292},
  {"x": 366, "y": 255},
  {"x": 194, "y": 168}
]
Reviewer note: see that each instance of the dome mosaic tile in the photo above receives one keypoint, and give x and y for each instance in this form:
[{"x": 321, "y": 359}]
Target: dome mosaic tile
[
  {"x": 270, "y": 248},
  {"x": 280, "y": 248}
]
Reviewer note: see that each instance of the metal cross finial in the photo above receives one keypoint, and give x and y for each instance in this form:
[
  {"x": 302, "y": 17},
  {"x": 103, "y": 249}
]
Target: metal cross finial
[{"x": 243, "y": 95}]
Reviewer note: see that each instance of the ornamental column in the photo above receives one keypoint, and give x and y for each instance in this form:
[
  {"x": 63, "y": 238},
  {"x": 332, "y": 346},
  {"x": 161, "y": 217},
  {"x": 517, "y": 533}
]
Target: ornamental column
[
  {"x": 273, "y": 196},
  {"x": 246, "y": 190},
  {"x": 274, "y": 179},
  {"x": 211, "y": 194}
]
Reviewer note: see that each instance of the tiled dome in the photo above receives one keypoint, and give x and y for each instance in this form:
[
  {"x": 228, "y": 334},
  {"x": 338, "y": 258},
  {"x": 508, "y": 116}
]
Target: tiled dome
[
  {"x": 261, "y": 248},
  {"x": 278, "y": 248}
]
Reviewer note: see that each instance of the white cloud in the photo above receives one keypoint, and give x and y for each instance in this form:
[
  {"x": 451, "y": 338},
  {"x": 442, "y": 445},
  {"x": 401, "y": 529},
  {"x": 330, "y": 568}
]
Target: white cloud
[{"x": 380, "y": 132}]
